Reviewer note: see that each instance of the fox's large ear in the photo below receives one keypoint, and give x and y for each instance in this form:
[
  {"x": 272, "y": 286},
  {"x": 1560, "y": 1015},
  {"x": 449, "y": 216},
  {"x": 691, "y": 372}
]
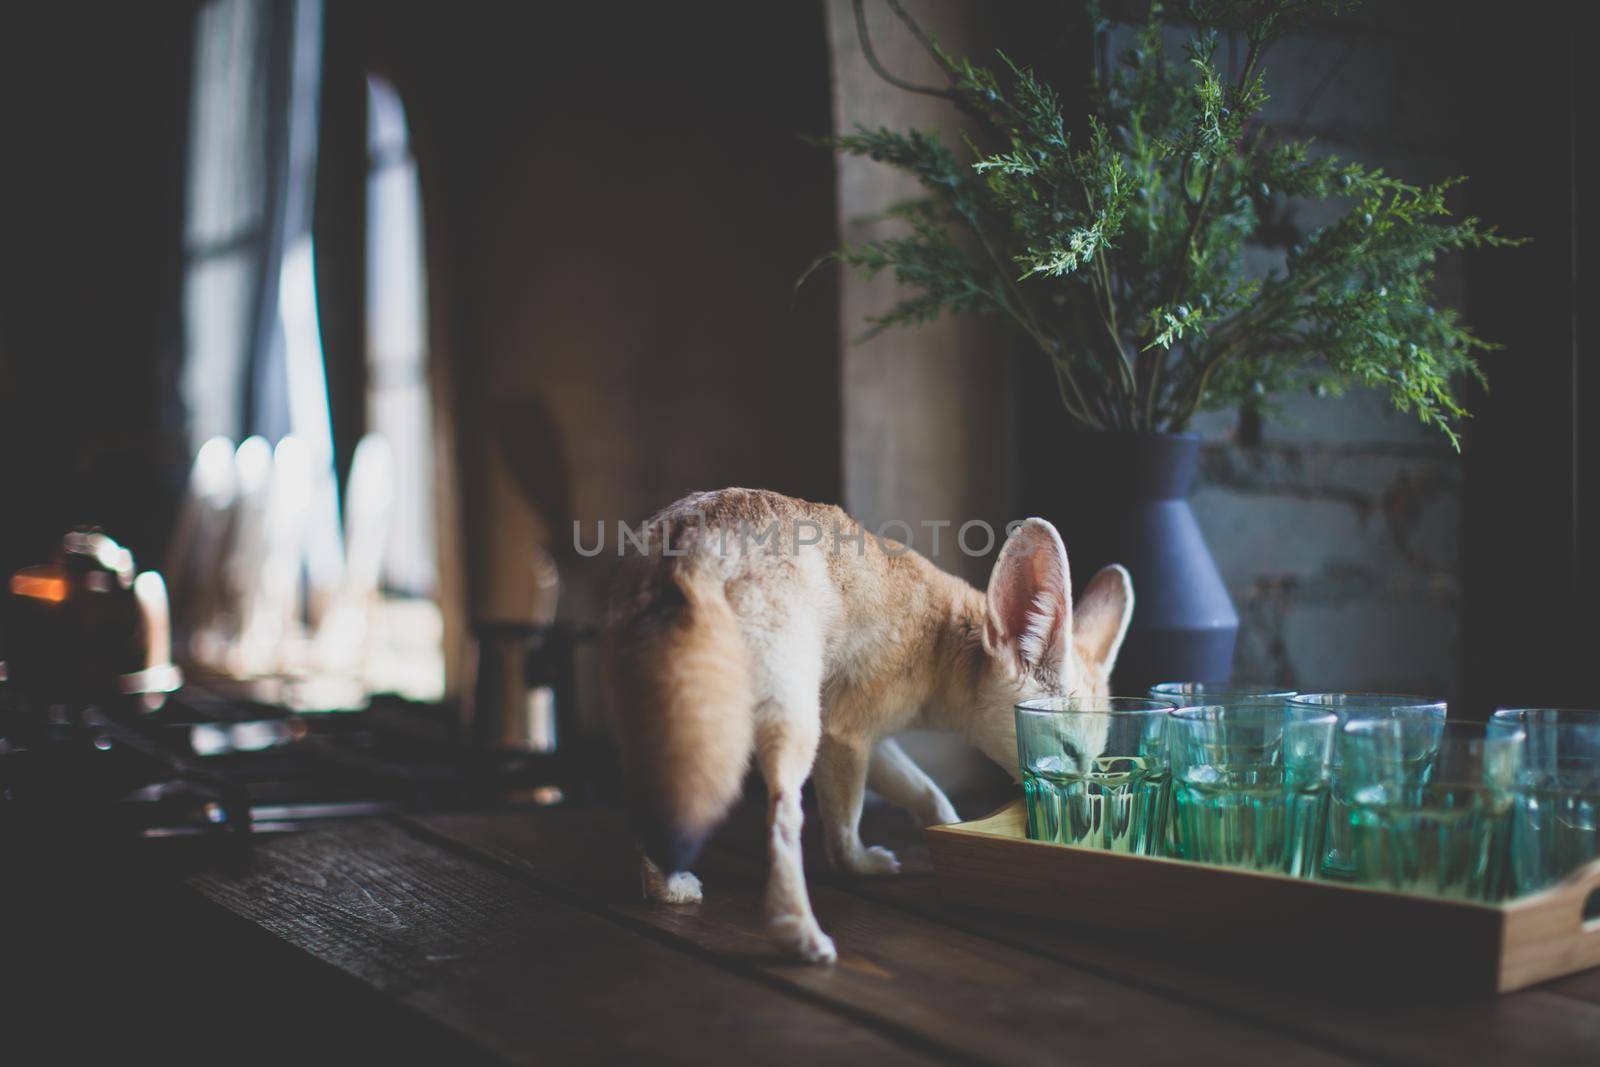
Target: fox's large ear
[
  {"x": 1101, "y": 620},
  {"x": 1030, "y": 598}
]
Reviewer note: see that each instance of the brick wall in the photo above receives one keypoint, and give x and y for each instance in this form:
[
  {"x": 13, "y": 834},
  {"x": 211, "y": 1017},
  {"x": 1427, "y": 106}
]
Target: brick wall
[{"x": 1336, "y": 521}]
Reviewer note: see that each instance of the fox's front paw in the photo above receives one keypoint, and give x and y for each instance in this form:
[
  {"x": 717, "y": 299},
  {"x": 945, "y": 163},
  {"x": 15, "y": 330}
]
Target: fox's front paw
[
  {"x": 939, "y": 812},
  {"x": 801, "y": 937},
  {"x": 874, "y": 860}
]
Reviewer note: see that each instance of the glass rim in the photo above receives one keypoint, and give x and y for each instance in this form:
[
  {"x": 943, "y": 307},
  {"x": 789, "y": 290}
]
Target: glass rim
[
  {"x": 1265, "y": 692},
  {"x": 1198, "y": 694},
  {"x": 1203, "y": 713},
  {"x": 1564, "y": 716},
  {"x": 1386, "y": 700},
  {"x": 1043, "y": 706}
]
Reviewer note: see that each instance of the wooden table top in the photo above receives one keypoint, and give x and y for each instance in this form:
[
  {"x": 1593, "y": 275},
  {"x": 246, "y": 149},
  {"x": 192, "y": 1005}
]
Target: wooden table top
[{"x": 522, "y": 937}]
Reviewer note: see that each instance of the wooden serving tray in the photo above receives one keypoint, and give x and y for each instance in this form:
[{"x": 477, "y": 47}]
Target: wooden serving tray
[{"x": 990, "y": 863}]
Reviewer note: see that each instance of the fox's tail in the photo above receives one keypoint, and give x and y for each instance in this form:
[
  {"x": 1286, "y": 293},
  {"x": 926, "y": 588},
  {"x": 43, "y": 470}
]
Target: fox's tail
[{"x": 685, "y": 724}]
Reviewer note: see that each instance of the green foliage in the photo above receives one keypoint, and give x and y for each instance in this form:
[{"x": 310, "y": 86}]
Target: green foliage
[{"x": 1120, "y": 253}]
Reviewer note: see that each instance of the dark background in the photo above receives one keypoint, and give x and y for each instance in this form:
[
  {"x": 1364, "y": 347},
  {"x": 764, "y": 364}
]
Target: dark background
[{"x": 618, "y": 201}]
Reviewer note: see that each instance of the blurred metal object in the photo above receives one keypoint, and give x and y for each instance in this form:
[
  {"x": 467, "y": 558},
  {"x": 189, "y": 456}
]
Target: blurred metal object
[
  {"x": 523, "y": 672},
  {"x": 522, "y": 694},
  {"x": 546, "y": 586},
  {"x": 85, "y": 627},
  {"x": 503, "y": 713},
  {"x": 159, "y": 676},
  {"x": 245, "y": 735},
  {"x": 212, "y": 766}
]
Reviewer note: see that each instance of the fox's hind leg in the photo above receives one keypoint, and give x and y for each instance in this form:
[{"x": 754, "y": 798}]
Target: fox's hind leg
[
  {"x": 681, "y": 887},
  {"x": 786, "y": 746}
]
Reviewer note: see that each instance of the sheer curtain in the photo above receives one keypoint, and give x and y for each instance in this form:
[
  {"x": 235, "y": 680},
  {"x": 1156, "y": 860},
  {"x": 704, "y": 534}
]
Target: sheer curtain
[
  {"x": 253, "y": 360},
  {"x": 399, "y": 400},
  {"x": 226, "y": 224}
]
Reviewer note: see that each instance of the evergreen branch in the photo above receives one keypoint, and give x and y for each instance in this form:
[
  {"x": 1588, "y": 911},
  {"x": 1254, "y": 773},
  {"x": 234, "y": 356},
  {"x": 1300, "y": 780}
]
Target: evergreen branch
[{"x": 1134, "y": 242}]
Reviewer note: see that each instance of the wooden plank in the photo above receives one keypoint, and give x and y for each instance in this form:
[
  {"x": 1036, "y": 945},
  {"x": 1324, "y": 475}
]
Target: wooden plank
[
  {"x": 107, "y": 951},
  {"x": 528, "y": 977},
  {"x": 976, "y": 1000},
  {"x": 1362, "y": 1016},
  {"x": 1585, "y": 986}
]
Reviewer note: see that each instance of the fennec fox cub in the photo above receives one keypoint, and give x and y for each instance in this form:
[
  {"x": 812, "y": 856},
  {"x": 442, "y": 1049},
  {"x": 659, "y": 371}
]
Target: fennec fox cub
[{"x": 755, "y": 623}]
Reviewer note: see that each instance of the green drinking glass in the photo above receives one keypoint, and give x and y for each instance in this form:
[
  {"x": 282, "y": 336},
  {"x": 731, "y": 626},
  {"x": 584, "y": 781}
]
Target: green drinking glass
[
  {"x": 1096, "y": 774},
  {"x": 1339, "y": 861},
  {"x": 1555, "y": 826},
  {"x": 1430, "y": 805},
  {"x": 1195, "y": 694},
  {"x": 1250, "y": 785}
]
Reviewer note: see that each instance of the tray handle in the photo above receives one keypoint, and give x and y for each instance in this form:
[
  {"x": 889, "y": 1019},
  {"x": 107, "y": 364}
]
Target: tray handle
[{"x": 1581, "y": 889}]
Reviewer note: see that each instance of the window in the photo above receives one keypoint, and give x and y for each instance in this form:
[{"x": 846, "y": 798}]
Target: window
[{"x": 399, "y": 403}]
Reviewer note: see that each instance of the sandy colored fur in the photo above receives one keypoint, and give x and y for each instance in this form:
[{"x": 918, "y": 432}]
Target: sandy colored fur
[
  {"x": 684, "y": 692},
  {"x": 903, "y": 641},
  {"x": 810, "y": 649}
]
